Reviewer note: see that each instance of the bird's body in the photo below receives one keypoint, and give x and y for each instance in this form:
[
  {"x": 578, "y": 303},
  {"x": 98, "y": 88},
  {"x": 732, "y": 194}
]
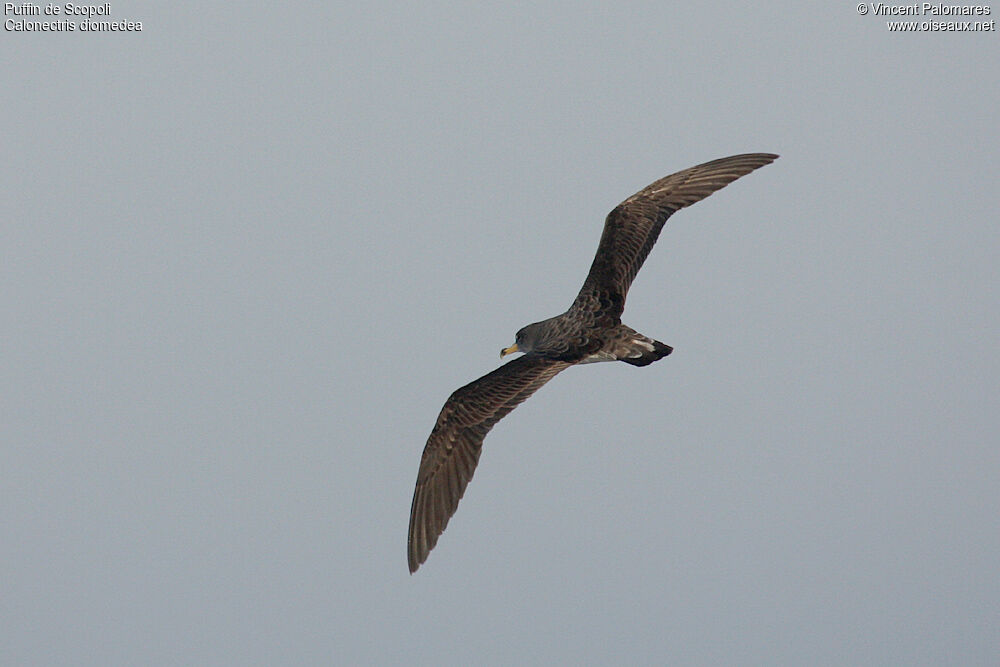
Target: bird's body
[{"x": 589, "y": 331}]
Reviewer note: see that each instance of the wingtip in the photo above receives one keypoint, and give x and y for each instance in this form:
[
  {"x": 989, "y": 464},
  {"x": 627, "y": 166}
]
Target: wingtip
[
  {"x": 413, "y": 559},
  {"x": 755, "y": 160},
  {"x": 412, "y": 562},
  {"x": 767, "y": 158}
]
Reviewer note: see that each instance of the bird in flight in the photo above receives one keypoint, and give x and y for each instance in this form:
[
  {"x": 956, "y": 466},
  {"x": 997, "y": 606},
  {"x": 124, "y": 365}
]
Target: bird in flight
[{"x": 590, "y": 330}]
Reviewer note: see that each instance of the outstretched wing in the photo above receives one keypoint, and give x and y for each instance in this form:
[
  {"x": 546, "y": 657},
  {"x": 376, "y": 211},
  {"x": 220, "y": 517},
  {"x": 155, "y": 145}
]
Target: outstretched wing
[
  {"x": 453, "y": 448},
  {"x": 632, "y": 228}
]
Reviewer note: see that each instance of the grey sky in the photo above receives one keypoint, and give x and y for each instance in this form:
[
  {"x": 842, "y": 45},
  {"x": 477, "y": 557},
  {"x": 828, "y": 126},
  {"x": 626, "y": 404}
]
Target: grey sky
[{"x": 247, "y": 254}]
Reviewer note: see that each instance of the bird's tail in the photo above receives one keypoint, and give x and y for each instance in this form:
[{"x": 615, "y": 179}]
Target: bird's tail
[{"x": 638, "y": 350}]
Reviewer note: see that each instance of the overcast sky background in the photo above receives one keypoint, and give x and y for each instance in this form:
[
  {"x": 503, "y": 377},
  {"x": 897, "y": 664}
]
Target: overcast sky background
[{"x": 247, "y": 254}]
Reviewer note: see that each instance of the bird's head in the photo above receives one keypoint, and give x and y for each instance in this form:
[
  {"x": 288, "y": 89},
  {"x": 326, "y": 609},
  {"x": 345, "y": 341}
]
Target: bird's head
[{"x": 525, "y": 340}]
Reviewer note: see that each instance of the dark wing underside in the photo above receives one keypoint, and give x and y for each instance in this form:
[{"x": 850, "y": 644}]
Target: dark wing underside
[
  {"x": 632, "y": 228},
  {"x": 453, "y": 448}
]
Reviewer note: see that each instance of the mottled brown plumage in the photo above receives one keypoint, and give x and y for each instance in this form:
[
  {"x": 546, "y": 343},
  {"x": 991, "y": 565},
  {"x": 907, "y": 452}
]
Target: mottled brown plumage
[{"x": 590, "y": 331}]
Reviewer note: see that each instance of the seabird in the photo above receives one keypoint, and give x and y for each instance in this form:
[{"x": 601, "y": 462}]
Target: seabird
[{"x": 590, "y": 330}]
